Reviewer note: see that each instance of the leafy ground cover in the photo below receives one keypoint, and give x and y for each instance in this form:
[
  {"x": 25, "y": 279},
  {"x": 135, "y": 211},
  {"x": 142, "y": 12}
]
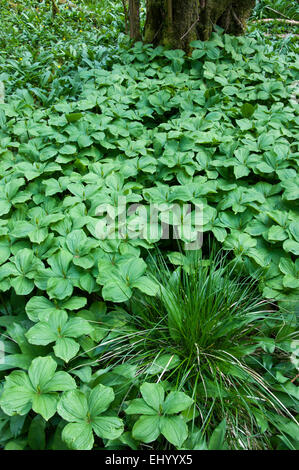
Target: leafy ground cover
[
  {"x": 87, "y": 120},
  {"x": 43, "y": 53}
]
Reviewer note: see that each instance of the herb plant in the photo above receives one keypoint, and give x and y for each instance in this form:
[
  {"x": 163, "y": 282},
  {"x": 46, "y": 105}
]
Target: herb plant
[{"x": 105, "y": 344}]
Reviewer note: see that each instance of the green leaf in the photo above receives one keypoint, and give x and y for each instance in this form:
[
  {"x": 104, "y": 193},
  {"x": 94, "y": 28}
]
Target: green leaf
[
  {"x": 17, "y": 394},
  {"x": 18, "y": 444},
  {"x": 76, "y": 327},
  {"x": 146, "y": 285},
  {"x": 36, "y": 434},
  {"x": 78, "y": 436},
  {"x": 116, "y": 291},
  {"x": 41, "y": 371},
  {"x": 73, "y": 406},
  {"x": 59, "y": 288},
  {"x": 16, "y": 425},
  {"x": 138, "y": 406},
  {"x": 73, "y": 117},
  {"x": 4, "y": 250},
  {"x": 45, "y": 405},
  {"x": 294, "y": 229},
  {"x": 68, "y": 150},
  {"x": 22, "y": 285},
  {"x": 163, "y": 363},
  {"x": 84, "y": 141},
  {"x": 61, "y": 381},
  {"x": 66, "y": 348},
  {"x": 74, "y": 303},
  {"x": 84, "y": 374},
  {"x": 41, "y": 333},
  {"x": 133, "y": 269},
  {"x": 286, "y": 266},
  {"x": 100, "y": 399},
  {"x": 176, "y": 402},
  {"x": 4, "y": 207},
  {"x": 107, "y": 427},
  {"x": 153, "y": 395},
  {"x": 277, "y": 233},
  {"x": 291, "y": 247},
  {"x": 217, "y": 439}
]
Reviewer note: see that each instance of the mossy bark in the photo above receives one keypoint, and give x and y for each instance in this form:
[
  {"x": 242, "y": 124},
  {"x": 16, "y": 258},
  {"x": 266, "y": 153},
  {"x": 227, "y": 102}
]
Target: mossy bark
[
  {"x": 170, "y": 22},
  {"x": 175, "y": 23},
  {"x": 234, "y": 19}
]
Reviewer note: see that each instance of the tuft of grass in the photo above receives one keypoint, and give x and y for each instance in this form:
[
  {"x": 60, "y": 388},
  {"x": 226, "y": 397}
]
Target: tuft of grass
[{"x": 212, "y": 325}]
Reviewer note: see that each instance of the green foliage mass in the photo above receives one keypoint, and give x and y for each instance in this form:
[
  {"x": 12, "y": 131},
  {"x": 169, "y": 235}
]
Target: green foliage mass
[
  {"x": 218, "y": 128},
  {"x": 208, "y": 334},
  {"x": 83, "y": 126}
]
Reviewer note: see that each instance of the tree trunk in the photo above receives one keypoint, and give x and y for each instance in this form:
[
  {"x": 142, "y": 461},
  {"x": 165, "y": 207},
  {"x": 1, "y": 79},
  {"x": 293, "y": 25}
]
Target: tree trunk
[
  {"x": 125, "y": 7},
  {"x": 134, "y": 19},
  {"x": 55, "y": 8},
  {"x": 175, "y": 23}
]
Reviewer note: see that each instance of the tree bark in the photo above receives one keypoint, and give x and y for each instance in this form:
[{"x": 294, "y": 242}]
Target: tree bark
[
  {"x": 134, "y": 19},
  {"x": 125, "y": 7},
  {"x": 175, "y": 23},
  {"x": 55, "y": 8}
]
